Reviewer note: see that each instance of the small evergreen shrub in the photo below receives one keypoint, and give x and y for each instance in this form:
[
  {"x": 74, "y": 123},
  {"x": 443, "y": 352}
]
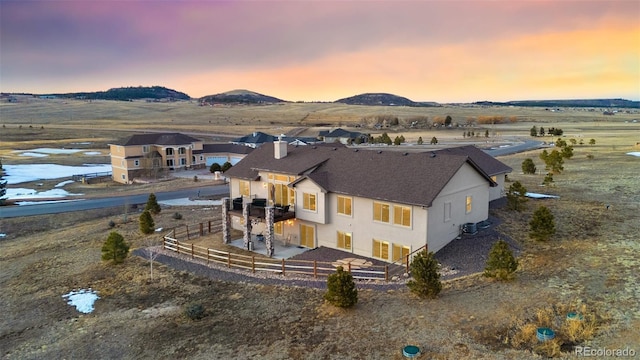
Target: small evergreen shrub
[
  {"x": 195, "y": 178},
  {"x": 542, "y": 224},
  {"x": 112, "y": 224},
  {"x": 152, "y": 204},
  {"x": 115, "y": 249},
  {"x": 548, "y": 179},
  {"x": 177, "y": 216},
  {"x": 501, "y": 263},
  {"x": 194, "y": 311},
  {"x": 341, "y": 289},
  {"x": 215, "y": 167},
  {"x": 146, "y": 222},
  {"x": 516, "y": 196},
  {"x": 528, "y": 167},
  {"x": 426, "y": 278}
]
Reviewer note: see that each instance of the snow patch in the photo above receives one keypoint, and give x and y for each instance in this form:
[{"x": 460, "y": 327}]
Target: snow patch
[
  {"x": 64, "y": 183},
  {"x": 33, "y": 154},
  {"x": 16, "y": 174},
  {"x": 82, "y": 299},
  {"x": 540, "y": 196},
  {"x": 24, "y": 193},
  {"x": 634, "y": 153},
  {"x": 3, "y": 235},
  {"x": 93, "y": 153}
]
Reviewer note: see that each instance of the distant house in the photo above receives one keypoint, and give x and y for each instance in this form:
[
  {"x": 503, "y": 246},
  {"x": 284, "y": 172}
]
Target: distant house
[
  {"x": 254, "y": 139},
  {"x": 342, "y": 136},
  {"x": 151, "y": 155},
  {"x": 381, "y": 204}
]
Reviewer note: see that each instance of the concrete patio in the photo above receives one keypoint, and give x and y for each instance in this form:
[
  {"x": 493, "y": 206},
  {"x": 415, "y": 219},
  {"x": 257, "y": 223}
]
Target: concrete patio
[{"x": 280, "y": 250}]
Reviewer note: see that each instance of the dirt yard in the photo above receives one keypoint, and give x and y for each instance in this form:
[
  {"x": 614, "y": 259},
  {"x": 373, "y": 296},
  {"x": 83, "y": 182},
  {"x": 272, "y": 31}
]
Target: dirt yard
[{"x": 591, "y": 266}]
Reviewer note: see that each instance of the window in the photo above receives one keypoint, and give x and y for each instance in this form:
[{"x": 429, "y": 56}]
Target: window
[
  {"x": 447, "y": 211},
  {"x": 193, "y": 159},
  {"x": 182, "y": 151},
  {"x": 381, "y": 212},
  {"x": 169, "y": 151},
  {"x": 344, "y": 205},
  {"x": 244, "y": 188},
  {"x": 307, "y": 236},
  {"x": 136, "y": 162},
  {"x": 201, "y": 158},
  {"x": 145, "y": 148},
  {"x": 183, "y": 161},
  {"x": 402, "y": 215},
  {"x": 278, "y": 228},
  {"x": 380, "y": 249},
  {"x": 400, "y": 253},
  {"x": 468, "y": 204},
  {"x": 344, "y": 240},
  {"x": 170, "y": 162},
  {"x": 309, "y": 201},
  {"x": 123, "y": 177}
]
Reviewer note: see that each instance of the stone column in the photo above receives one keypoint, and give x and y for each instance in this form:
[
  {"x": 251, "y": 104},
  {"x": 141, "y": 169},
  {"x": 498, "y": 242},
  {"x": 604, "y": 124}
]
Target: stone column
[
  {"x": 269, "y": 213},
  {"x": 247, "y": 224},
  {"x": 226, "y": 221}
]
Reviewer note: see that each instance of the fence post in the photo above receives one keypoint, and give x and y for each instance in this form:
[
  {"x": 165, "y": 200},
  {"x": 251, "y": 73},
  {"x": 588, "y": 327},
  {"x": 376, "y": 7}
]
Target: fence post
[
  {"x": 174, "y": 233},
  {"x": 253, "y": 264},
  {"x": 192, "y": 251},
  {"x": 187, "y": 226},
  {"x": 177, "y": 246},
  {"x": 386, "y": 273},
  {"x": 207, "y": 256},
  {"x": 201, "y": 229},
  {"x": 228, "y": 259},
  {"x": 315, "y": 269},
  {"x": 209, "y": 223},
  {"x": 349, "y": 266},
  {"x": 283, "y": 274}
]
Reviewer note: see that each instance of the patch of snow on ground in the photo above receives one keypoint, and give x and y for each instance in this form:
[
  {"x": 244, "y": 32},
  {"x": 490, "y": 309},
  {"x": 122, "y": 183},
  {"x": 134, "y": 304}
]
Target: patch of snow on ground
[
  {"x": 24, "y": 193},
  {"x": 20, "y": 203},
  {"x": 82, "y": 299},
  {"x": 634, "y": 153},
  {"x": 33, "y": 154},
  {"x": 93, "y": 153},
  {"x": 158, "y": 229},
  {"x": 188, "y": 202},
  {"x": 64, "y": 183},
  {"x": 3, "y": 235},
  {"x": 540, "y": 196},
  {"x": 54, "y": 151},
  {"x": 16, "y": 174}
]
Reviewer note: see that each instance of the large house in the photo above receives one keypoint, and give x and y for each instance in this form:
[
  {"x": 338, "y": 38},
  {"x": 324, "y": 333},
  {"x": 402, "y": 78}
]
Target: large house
[
  {"x": 342, "y": 136},
  {"x": 381, "y": 204},
  {"x": 150, "y": 155}
]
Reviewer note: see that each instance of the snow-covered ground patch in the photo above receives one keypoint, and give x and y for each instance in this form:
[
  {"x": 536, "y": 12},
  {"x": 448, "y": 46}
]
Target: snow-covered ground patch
[
  {"x": 82, "y": 299},
  {"x": 188, "y": 202},
  {"x": 540, "y": 196},
  {"x": 92, "y": 153},
  {"x": 24, "y": 193},
  {"x": 62, "y": 184},
  {"x": 16, "y": 174},
  {"x": 33, "y": 154},
  {"x": 52, "y": 151},
  {"x": 634, "y": 153},
  {"x": 3, "y": 235},
  {"x": 21, "y": 203}
]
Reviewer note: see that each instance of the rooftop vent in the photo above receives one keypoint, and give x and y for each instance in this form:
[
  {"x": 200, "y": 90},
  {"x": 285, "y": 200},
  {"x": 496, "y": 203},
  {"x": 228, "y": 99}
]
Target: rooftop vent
[{"x": 433, "y": 154}]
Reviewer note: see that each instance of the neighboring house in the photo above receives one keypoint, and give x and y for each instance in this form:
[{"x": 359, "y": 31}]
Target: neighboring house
[
  {"x": 222, "y": 153},
  {"x": 254, "y": 139},
  {"x": 342, "y": 136},
  {"x": 381, "y": 204},
  {"x": 492, "y": 166},
  {"x": 151, "y": 155}
]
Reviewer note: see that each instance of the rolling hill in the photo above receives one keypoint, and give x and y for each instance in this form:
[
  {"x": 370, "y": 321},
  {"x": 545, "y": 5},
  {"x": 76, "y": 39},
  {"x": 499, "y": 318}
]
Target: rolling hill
[
  {"x": 381, "y": 99},
  {"x": 244, "y": 97},
  {"x": 128, "y": 93}
]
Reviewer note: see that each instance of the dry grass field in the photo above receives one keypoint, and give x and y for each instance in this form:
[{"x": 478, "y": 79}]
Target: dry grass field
[{"x": 590, "y": 266}]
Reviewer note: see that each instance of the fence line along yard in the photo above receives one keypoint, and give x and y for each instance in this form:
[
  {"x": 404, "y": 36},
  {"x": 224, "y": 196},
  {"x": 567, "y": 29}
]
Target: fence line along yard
[{"x": 258, "y": 263}]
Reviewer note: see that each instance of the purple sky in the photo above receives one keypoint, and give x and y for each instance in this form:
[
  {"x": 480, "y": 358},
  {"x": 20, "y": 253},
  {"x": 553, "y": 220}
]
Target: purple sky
[{"x": 444, "y": 51}]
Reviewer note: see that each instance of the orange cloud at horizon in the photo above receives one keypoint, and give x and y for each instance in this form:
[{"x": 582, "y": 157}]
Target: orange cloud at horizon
[{"x": 535, "y": 66}]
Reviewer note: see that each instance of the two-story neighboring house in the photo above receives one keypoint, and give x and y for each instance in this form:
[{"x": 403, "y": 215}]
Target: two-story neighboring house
[
  {"x": 342, "y": 136},
  {"x": 381, "y": 204}
]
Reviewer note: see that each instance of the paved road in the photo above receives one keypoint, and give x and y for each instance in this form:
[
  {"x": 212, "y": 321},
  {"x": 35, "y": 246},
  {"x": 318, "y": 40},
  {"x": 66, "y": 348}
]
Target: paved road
[
  {"x": 88, "y": 204},
  {"x": 515, "y": 148}
]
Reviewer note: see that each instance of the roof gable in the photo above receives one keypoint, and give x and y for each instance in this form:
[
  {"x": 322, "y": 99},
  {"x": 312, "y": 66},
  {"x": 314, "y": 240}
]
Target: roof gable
[
  {"x": 486, "y": 162},
  {"x": 159, "y": 139}
]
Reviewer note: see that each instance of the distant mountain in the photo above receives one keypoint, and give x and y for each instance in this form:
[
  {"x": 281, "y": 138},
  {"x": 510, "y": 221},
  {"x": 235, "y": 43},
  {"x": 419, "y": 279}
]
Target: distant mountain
[
  {"x": 128, "y": 93},
  {"x": 245, "y": 97},
  {"x": 600, "y": 103},
  {"x": 381, "y": 99}
]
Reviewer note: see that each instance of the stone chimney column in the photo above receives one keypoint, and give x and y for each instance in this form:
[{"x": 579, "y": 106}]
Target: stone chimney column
[
  {"x": 246, "y": 236},
  {"x": 226, "y": 221},
  {"x": 279, "y": 149},
  {"x": 270, "y": 236}
]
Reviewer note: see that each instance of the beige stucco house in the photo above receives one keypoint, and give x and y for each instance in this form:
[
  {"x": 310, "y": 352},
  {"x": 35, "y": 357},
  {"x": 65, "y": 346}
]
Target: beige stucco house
[
  {"x": 150, "y": 155},
  {"x": 381, "y": 204}
]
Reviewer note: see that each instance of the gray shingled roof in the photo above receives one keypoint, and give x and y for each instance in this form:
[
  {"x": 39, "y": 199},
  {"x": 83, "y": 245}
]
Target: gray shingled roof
[
  {"x": 408, "y": 178},
  {"x": 226, "y": 148},
  {"x": 488, "y": 163},
  {"x": 159, "y": 139}
]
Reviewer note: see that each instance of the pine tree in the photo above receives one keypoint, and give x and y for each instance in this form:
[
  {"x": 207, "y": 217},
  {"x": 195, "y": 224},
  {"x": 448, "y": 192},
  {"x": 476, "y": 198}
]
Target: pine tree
[
  {"x": 516, "y": 196},
  {"x": 501, "y": 263},
  {"x": 420, "y": 141},
  {"x": 152, "y": 204},
  {"x": 548, "y": 179},
  {"x": 215, "y": 167},
  {"x": 528, "y": 166},
  {"x": 114, "y": 248},
  {"x": 146, "y": 222},
  {"x": 426, "y": 278},
  {"x": 341, "y": 289},
  {"x": 534, "y": 131},
  {"x": 434, "y": 140},
  {"x": 226, "y": 166},
  {"x": 542, "y": 224}
]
